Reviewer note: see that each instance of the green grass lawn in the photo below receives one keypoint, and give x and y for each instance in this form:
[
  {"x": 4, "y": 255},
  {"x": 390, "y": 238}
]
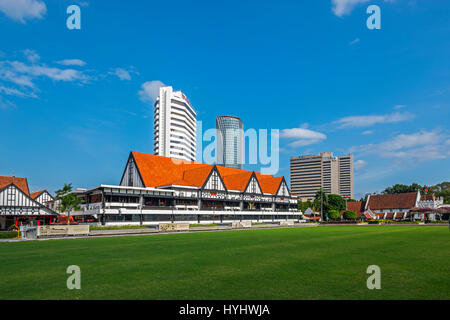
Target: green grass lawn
[{"x": 295, "y": 263}]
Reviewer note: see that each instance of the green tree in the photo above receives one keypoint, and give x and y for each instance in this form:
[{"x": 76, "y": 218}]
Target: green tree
[
  {"x": 335, "y": 202},
  {"x": 68, "y": 201},
  {"x": 333, "y": 214},
  {"x": 442, "y": 190},
  {"x": 350, "y": 215},
  {"x": 403, "y": 188}
]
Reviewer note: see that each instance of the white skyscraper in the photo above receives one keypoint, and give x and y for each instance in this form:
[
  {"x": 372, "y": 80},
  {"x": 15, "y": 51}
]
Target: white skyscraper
[{"x": 175, "y": 125}]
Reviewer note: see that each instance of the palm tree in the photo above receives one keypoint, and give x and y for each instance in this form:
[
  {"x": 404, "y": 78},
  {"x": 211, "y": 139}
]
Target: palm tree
[{"x": 320, "y": 201}]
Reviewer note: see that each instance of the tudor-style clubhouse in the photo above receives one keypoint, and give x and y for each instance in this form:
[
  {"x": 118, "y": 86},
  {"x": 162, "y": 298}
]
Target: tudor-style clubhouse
[
  {"x": 17, "y": 205},
  {"x": 156, "y": 189}
]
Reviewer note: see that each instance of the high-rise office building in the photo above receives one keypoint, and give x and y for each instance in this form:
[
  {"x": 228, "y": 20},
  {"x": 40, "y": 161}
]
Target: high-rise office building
[
  {"x": 230, "y": 141},
  {"x": 324, "y": 171},
  {"x": 175, "y": 125}
]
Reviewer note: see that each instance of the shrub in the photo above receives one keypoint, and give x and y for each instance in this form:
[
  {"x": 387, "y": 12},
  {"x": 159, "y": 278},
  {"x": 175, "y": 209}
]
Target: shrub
[
  {"x": 350, "y": 215},
  {"x": 333, "y": 214},
  {"x": 8, "y": 235}
]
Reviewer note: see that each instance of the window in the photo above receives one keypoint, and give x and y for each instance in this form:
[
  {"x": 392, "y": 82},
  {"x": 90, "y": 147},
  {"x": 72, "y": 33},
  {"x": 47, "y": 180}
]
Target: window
[{"x": 215, "y": 181}]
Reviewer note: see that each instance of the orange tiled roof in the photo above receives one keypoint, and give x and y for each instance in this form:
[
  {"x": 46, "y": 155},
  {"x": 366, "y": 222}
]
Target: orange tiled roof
[
  {"x": 20, "y": 183},
  {"x": 36, "y": 194},
  {"x": 194, "y": 177},
  {"x": 157, "y": 171},
  {"x": 237, "y": 181},
  {"x": 269, "y": 183}
]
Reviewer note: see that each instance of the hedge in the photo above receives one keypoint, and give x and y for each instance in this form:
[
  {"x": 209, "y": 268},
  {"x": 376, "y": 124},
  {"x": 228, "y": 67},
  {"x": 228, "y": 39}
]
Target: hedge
[{"x": 8, "y": 235}]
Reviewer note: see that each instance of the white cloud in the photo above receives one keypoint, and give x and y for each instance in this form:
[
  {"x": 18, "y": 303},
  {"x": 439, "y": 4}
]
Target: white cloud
[
  {"x": 367, "y": 132},
  {"x": 355, "y": 41},
  {"x": 359, "y": 164},
  {"x": 16, "y": 92},
  {"x": 302, "y": 136},
  {"x": 123, "y": 74},
  {"x": 72, "y": 62},
  {"x": 429, "y": 152},
  {"x": 343, "y": 7},
  {"x": 403, "y": 141},
  {"x": 367, "y": 121},
  {"x": 83, "y": 3},
  {"x": 45, "y": 71},
  {"x": 150, "y": 90},
  {"x": 9, "y": 75},
  {"x": 399, "y": 106},
  {"x": 18, "y": 78},
  {"x": 31, "y": 55},
  {"x": 21, "y": 10},
  {"x": 420, "y": 146}
]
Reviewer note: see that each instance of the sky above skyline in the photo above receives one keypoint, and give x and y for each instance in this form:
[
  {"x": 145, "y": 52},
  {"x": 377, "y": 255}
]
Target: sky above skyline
[{"x": 74, "y": 103}]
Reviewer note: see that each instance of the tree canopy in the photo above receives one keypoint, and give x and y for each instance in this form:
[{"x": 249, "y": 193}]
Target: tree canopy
[
  {"x": 402, "y": 188},
  {"x": 333, "y": 214},
  {"x": 67, "y": 201},
  {"x": 335, "y": 202},
  {"x": 350, "y": 215},
  {"x": 330, "y": 202}
]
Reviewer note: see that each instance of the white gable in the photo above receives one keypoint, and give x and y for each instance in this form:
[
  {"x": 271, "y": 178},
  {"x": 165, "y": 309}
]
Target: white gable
[
  {"x": 131, "y": 176},
  {"x": 253, "y": 187},
  {"x": 12, "y": 196},
  {"x": 283, "y": 191},
  {"x": 14, "y": 201},
  {"x": 214, "y": 182},
  {"x": 44, "y": 197}
]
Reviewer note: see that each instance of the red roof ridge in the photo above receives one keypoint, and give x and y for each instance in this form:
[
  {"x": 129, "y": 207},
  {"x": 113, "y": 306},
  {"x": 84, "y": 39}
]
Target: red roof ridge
[{"x": 36, "y": 194}]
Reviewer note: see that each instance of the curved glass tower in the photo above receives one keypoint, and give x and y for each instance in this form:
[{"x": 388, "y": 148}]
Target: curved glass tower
[{"x": 230, "y": 141}]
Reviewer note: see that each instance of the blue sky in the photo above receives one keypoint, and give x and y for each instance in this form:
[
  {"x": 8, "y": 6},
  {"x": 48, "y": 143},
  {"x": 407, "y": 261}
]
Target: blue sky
[{"x": 73, "y": 103}]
